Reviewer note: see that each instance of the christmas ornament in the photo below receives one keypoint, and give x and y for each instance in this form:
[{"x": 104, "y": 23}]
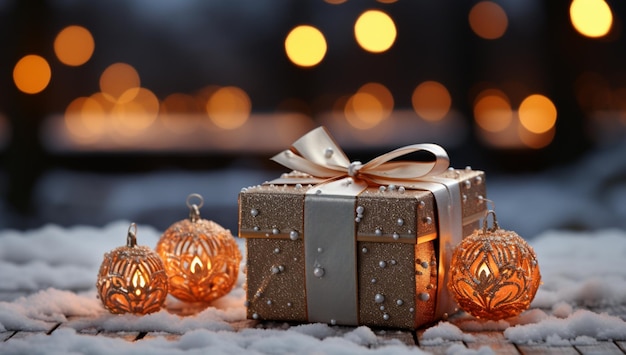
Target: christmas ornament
[
  {"x": 132, "y": 278},
  {"x": 494, "y": 273},
  {"x": 201, "y": 258}
]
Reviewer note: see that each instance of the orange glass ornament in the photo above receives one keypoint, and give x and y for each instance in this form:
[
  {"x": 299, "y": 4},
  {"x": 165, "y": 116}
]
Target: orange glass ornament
[
  {"x": 494, "y": 273},
  {"x": 132, "y": 278},
  {"x": 201, "y": 257}
]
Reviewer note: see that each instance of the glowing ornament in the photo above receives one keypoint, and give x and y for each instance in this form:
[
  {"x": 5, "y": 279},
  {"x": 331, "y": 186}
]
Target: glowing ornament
[
  {"x": 201, "y": 258},
  {"x": 132, "y": 278},
  {"x": 494, "y": 273}
]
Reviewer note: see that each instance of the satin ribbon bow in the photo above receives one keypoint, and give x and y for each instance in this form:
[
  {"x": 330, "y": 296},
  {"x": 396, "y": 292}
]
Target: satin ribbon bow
[{"x": 317, "y": 154}]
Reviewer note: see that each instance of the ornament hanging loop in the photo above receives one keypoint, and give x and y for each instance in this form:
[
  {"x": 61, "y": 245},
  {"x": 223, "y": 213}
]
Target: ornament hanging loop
[
  {"x": 495, "y": 226},
  {"x": 194, "y": 209},
  {"x": 131, "y": 237},
  {"x": 488, "y": 201}
]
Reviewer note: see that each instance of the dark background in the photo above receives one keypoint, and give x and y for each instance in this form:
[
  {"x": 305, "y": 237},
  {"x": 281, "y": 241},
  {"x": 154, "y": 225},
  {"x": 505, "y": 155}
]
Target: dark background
[{"x": 182, "y": 46}]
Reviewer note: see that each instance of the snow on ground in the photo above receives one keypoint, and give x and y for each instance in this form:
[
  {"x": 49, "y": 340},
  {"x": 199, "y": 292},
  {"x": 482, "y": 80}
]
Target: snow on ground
[
  {"x": 57, "y": 268},
  {"x": 201, "y": 341}
]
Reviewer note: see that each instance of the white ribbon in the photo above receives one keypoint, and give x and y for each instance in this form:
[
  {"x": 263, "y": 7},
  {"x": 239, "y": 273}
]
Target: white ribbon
[{"x": 317, "y": 154}]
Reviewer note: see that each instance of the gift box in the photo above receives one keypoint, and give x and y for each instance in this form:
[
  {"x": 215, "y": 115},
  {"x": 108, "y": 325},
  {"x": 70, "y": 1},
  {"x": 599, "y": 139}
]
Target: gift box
[{"x": 342, "y": 242}]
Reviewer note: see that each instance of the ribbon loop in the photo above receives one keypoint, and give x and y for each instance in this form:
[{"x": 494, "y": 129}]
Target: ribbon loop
[{"x": 317, "y": 154}]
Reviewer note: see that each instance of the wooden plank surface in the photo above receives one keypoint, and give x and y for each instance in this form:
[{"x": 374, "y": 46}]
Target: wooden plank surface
[
  {"x": 600, "y": 348},
  {"x": 622, "y": 345},
  {"x": 7, "y": 334},
  {"x": 406, "y": 337},
  {"x": 540, "y": 349},
  {"x": 436, "y": 347},
  {"x": 168, "y": 336},
  {"x": 130, "y": 336},
  {"x": 23, "y": 335},
  {"x": 495, "y": 340}
]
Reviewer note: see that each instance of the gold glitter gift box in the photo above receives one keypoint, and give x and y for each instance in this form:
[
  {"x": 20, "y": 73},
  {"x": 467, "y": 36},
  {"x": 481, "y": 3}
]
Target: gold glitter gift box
[{"x": 350, "y": 250}]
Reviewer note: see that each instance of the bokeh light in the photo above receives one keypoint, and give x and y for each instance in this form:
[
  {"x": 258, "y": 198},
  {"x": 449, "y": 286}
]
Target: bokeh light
[
  {"x": 179, "y": 103},
  {"x": 537, "y": 114},
  {"x": 492, "y": 110},
  {"x": 136, "y": 110},
  {"x": 229, "y": 107},
  {"x": 305, "y": 46},
  {"x": 104, "y": 101},
  {"x": 531, "y": 126},
  {"x": 591, "y": 18},
  {"x": 177, "y": 111},
  {"x": 85, "y": 118},
  {"x": 369, "y": 106},
  {"x": 536, "y": 140},
  {"x": 363, "y": 111},
  {"x": 431, "y": 100},
  {"x": 118, "y": 79},
  {"x": 382, "y": 95},
  {"x": 488, "y": 20},
  {"x": 74, "y": 45},
  {"x": 32, "y": 74},
  {"x": 375, "y": 31},
  {"x": 203, "y": 95}
]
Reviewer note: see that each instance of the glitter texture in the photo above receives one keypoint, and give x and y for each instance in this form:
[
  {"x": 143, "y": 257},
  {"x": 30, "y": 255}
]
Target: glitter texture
[
  {"x": 393, "y": 282},
  {"x": 285, "y": 289},
  {"x": 409, "y": 250}
]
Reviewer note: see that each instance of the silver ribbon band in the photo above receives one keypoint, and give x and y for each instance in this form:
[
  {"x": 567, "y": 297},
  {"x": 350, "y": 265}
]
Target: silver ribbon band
[
  {"x": 330, "y": 252},
  {"x": 450, "y": 226}
]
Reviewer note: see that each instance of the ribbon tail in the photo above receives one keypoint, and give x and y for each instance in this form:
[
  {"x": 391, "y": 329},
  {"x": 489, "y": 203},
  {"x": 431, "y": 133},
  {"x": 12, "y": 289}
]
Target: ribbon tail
[
  {"x": 319, "y": 147},
  {"x": 292, "y": 161}
]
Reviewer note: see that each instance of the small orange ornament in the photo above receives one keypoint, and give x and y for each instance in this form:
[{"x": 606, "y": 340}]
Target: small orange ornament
[
  {"x": 201, "y": 258},
  {"x": 132, "y": 278},
  {"x": 494, "y": 273}
]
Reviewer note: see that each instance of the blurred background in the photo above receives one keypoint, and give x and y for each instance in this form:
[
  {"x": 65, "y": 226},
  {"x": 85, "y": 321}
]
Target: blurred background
[{"x": 119, "y": 109}]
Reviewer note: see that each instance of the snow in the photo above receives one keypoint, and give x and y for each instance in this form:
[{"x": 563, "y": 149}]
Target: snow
[
  {"x": 445, "y": 331},
  {"x": 201, "y": 341},
  {"x": 588, "y": 195},
  {"x": 64, "y": 258},
  {"x": 580, "y": 325},
  {"x": 585, "y": 268},
  {"x": 55, "y": 268}
]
